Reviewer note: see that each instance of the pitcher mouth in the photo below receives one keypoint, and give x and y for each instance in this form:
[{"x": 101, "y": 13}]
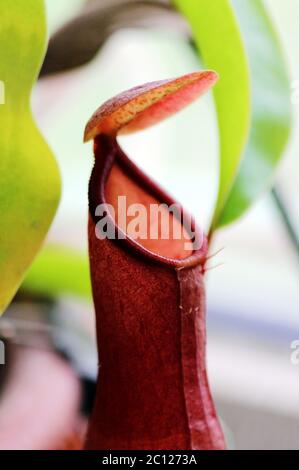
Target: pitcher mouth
[{"x": 108, "y": 153}]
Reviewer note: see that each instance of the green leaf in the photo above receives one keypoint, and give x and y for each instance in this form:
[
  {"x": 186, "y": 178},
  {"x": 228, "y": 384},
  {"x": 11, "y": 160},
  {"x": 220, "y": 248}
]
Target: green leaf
[
  {"x": 271, "y": 109},
  {"x": 217, "y": 36},
  {"x": 29, "y": 177},
  {"x": 59, "y": 271}
]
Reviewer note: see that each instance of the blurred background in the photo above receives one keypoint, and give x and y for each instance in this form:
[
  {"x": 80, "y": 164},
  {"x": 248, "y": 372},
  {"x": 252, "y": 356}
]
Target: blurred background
[{"x": 253, "y": 291}]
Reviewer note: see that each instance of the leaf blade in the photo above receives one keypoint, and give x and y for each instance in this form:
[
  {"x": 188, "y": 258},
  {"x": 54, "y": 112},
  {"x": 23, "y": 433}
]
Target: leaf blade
[
  {"x": 214, "y": 24},
  {"x": 271, "y": 119},
  {"x": 29, "y": 177},
  {"x": 59, "y": 271}
]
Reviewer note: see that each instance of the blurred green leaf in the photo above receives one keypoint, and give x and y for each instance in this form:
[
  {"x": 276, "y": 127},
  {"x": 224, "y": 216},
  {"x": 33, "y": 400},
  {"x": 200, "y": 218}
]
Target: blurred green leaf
[
  {"x": 29, "y": 178},
  {"x": 59, "y": 271},
  {"x": 271, "y": 119},
  {"x": 217, "y": 36}
]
